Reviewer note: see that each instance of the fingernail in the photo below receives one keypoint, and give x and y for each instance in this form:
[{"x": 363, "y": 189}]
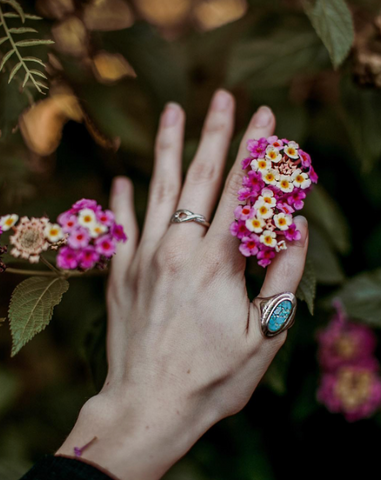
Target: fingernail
[
  {"x": 118, "y": 185},
  {"x": 302, "y": 225},
  {"x": 263, "y": 117},
  {"x": 170, "y": 114},
  {"x": 221, "y": 101}
]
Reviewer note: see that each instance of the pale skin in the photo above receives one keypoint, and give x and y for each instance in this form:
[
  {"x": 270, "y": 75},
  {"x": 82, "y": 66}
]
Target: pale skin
[{"x": 184, "y": 342}]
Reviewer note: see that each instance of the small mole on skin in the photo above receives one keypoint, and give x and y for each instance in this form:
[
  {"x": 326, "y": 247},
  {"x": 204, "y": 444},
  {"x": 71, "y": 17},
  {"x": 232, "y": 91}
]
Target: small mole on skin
[
  {"x": 147, "y": 427},
  {"x": 178, "y": 413},
  {"x": 188, "y": 371}
]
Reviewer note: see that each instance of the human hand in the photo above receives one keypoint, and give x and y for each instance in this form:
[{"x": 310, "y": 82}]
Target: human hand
[{"x": 184, "y": 343}]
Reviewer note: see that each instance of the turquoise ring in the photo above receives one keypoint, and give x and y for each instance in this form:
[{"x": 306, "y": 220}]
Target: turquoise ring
[{"x": 277, "y": 313}]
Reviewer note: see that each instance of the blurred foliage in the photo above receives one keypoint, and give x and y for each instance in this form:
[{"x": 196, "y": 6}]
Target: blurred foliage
[{"x": 113, "y": 66}]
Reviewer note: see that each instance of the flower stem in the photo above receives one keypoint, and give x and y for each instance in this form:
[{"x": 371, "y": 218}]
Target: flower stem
[
  {"x": 49, "y": 265},
  {"x": 63, "y": 274}
]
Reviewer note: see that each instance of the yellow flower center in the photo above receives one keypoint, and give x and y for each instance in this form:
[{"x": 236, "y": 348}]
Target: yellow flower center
[
  {"x": 267, "y": 199},
  {"x": 282, "y": 221},
  {"x": 268, "y": 240},
  {"x": 270, "y": 177},
  {"x": 87, "y": 219},
  {"x": 54, "y": 232},
  {"x": 9, "y": 222},
  {"x": 256, "y": 223},
  {"x": 353, "y": 388},
  {"x": 285, "y": 183},
  {"x": 272, "y": 154},
  {"x": 262, "y": 164},
  {"x": 299, "y": 179},
  {"x": 263, "y": 209},
  {"x": 291, "y": 151}
]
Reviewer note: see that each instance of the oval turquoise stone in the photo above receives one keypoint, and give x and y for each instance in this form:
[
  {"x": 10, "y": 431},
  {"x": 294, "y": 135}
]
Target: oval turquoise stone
[{"x": 280, "y": 315}]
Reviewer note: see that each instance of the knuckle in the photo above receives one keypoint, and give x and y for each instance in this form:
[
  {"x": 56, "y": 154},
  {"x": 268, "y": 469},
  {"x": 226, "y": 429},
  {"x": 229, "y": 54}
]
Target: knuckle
[
  {"x": 163, "y": 190},
  {"x": 169, "y": 258},
  {"x": 215, "y": 126},
  {"x": 163, "y": 143},
  {"x": 202, "y": 172},
  {"x": 233, "y": 184}
]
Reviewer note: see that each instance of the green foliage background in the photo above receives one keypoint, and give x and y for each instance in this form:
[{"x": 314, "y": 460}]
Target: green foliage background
[{"x": 290, "y": 56}]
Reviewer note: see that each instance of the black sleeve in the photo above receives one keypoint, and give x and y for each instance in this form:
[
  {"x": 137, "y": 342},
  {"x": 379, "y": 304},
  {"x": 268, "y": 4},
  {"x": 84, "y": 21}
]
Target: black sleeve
[{"x": 62, "y": 468}]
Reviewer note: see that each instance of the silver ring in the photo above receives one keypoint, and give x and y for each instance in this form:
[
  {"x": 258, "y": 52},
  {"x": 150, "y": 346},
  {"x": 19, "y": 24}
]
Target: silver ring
[
  {"x": 277, "y": 313},
  {"x": 181, "y": 216}
]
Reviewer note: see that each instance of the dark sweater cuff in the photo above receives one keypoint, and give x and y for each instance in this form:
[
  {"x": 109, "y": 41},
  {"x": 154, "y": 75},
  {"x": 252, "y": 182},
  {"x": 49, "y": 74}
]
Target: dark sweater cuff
[{"x": 62, "y": 468}]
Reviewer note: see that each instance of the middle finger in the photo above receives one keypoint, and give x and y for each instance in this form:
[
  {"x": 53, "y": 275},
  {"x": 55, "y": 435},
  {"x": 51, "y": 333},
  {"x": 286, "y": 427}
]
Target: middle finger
[{"x": 204, "y": 176}]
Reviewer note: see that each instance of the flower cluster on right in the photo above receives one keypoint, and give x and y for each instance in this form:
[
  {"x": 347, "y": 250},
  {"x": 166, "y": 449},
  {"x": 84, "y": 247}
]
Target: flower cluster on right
[
  {"x": 278, "y": 181},
  {"x": 350, "y": 382}
]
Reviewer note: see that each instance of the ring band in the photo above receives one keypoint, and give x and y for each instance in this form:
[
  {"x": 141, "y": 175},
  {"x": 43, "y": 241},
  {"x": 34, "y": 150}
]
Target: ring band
[
  {"x": 181, "y": 216},
  {"x": 277, "y": 313}
]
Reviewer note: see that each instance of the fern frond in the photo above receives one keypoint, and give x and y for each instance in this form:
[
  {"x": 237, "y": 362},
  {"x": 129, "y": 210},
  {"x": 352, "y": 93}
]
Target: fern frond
[{"x": 30, "y": 74}]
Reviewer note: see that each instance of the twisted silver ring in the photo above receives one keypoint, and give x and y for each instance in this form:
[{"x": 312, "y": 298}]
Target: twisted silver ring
[
  {"x": 277, "y": 313},
  {"x": 181, "y": 216}
]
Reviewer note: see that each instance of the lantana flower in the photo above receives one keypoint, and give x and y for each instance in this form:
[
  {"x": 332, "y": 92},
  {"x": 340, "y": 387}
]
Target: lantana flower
[
  {"x": 350, "y": 382},
  {"x": 29, "y": 239},
  {"x": 92, "y": 236},
  {"x": 8, "y": 221},
  {"x": 279, "y": 177}
]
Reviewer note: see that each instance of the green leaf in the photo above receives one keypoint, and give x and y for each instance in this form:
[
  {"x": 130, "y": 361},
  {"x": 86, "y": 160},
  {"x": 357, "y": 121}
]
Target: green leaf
[
  {"x": 361, "y": 297},
  {"x": 326, "y": 214},
  {"x": 3, "y": 39},
  {"x": 326, "y": 264},
  {"x": 275, "y": 60},
  {"x": 42, "y": 85},
  {"x": 34, "y": 59},
  {"x": 38, "y": 73},
  {"x": 17, "y": 7},
  {"x": 362, "y": 117},
  {"x": 33, "y": 42},
  {"x": 26, "y": 15},
  {"x": 307, "y": 287},
  {"x": 333, "y": 22},
  {"x": 25, "y": 79},
  {"x": 23, "y": 30},
  {"x": 6, "y": 57},
  {"x": 31, "y": 307},
  {"x": 15, "y": 69}
]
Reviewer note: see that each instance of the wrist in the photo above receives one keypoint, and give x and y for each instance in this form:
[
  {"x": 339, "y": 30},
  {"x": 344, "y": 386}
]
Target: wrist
[{"x": 134, "y": 440}]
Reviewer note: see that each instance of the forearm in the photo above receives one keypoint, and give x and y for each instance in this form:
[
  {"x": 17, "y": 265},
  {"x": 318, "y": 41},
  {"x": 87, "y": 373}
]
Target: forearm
[{"x": 134, "y": 442}]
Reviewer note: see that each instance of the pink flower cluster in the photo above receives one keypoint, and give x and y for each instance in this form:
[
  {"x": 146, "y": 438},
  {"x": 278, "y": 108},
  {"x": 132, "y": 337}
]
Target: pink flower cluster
[
  {"x": 90, "y": 233},
  {"x": 279, "y": 177},
  {"x": 350, "y": 383}
]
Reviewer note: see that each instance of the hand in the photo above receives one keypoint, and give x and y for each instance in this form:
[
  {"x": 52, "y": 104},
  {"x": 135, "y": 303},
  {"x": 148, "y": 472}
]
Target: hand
[{"x": 184, "y": 342}]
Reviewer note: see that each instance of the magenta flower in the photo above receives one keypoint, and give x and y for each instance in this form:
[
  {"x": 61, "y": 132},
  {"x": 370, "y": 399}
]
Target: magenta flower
[
  {"x": 313, "y": 175},
  {"x": 79, "y": 238},
  {"x": 305, "y": 158},
  {"x": 106, "y": 218},
  {"x": 354, "y": 391},
  {"x": 91, "y": 236},
  {"x": 254, "y": 181},
  {"x": 105, "y": 245},
  {"x": 265, "y": 257},
  {"x": 118, "y": 233},
  {"x": 244, "y": 194},
  {"x": 257, "y": 148},
  {"x": 239, "y": 230},
  {"x": 296, "y": 198},
  {"x": 292, "y": 233},
  {"x": 88, "y": 258},
  {"x": 85, "y": 203},
  {"x": 249, "y": 246},
  {"x": 244, "y": 212},
  {"x": 246, "y": 162},
  {"x": 344, "y": 342},
  {"x": 285, "y": 208},
  {"x": 67, "y": 221},
  {"x": 275, "y": 142},
  {"x": 67, "y": 258}
]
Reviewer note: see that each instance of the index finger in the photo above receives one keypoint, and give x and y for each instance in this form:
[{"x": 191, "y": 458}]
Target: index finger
[{"x": 262, "y": 124}]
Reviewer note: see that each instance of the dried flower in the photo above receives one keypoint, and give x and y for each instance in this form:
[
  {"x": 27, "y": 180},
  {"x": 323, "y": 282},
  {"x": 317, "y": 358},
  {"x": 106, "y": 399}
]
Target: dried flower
[{"x": 29, "y": 239}]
